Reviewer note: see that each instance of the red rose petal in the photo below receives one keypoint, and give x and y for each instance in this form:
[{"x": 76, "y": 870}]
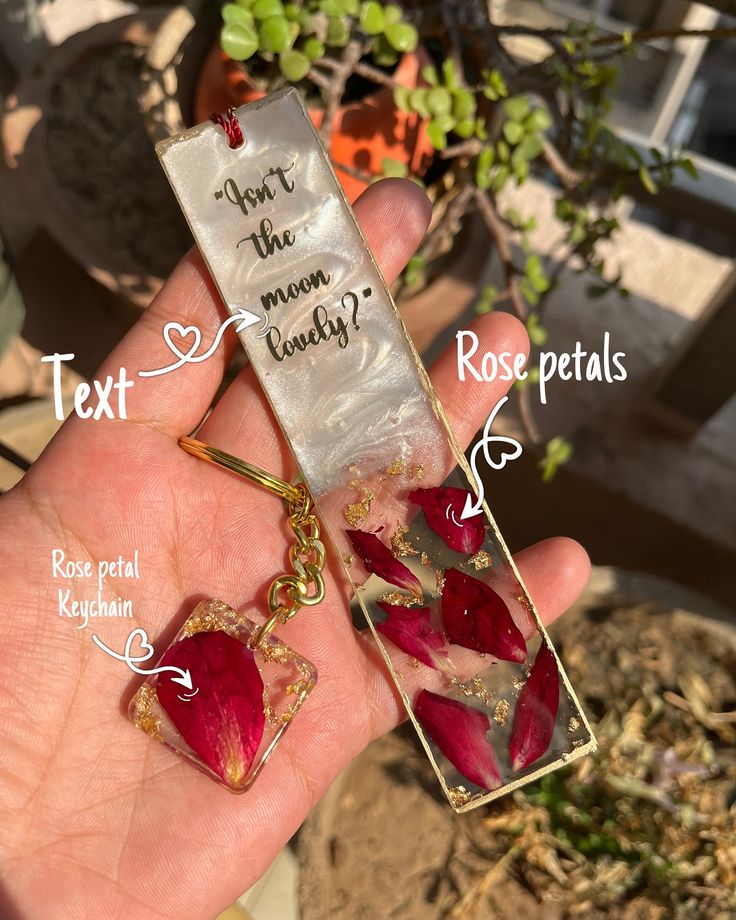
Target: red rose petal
[
  {"x": 477, "y": 618},
  {"x": 223, "y": 722},
  {"x": 536, "y": 711},
  {"x": 377, "y": 558},
  {"x": 442, "y": 508},
  {"x": 409, "y": 629},
  {"x": 461, "y": 733}
]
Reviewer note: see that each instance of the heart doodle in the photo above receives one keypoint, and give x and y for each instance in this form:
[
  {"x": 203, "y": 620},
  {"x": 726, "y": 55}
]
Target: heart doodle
[{"x": 184, "y": 332}]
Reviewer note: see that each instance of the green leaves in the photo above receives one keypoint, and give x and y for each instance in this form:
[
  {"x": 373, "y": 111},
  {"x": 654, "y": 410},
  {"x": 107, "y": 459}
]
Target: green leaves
[
  {"x": 275, "y": 34},
  {"x": 437, "y": 136},
  {"x": 487, "y": 300},
  {"x": 402, "y": 36},
  {"x": 494, "y": 85},
  {"x": 263, "y": 9},
  {"x": 536, "y": 332},
  {"x": 414, "y": 272},
  {"x": 234, "y": 14},
  {"x": 516, "y": 108},
  {"x": 294, "y": 65},
  {"x": 372, "y": 18},
  {"x": 439, "y": 102},
  {"x": 297, "y": 34},
  {"x": 645, "y": 177},
  {"x": 394, "y": 169},
  {"x": 483, "y": 177},
  {"x": 313, "y": 48},
  {"x": 238, "y": 41},
  {"x": 513, "y": 132},
  {"x": 449, "y": 106},
  {"x": 558, "y": 452}
]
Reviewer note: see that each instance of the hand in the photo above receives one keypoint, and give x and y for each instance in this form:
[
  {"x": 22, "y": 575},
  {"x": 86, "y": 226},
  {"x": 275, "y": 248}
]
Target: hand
[{"x": 97, "y": 820}]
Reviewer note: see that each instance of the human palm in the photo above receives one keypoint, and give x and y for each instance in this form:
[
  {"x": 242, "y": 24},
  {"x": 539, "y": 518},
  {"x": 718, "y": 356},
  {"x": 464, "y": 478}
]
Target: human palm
[{"x": 95, "y": 819}]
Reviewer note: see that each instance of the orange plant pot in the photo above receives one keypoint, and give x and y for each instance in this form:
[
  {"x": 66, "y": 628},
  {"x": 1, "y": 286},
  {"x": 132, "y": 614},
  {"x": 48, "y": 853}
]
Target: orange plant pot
[{"x": 365, "y": 132}]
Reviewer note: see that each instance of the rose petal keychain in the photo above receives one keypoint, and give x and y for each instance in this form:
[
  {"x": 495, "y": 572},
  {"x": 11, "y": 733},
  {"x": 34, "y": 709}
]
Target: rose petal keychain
[{"x": 437, "y": 585}]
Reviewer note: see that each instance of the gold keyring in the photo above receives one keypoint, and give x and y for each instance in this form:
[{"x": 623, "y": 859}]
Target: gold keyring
[{"x": 293, "y": 495}]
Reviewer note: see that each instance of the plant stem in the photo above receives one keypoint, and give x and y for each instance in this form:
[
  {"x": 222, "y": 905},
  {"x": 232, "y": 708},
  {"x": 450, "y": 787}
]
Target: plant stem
[
  {"x": 376, "y": 75},
  {"x": 651, "y": 35},
  {"x": 352, "y": 171},
  {"x": 500, "y": 236},
  {"x": 568, "y": 176},
  {"x": 333, "y": 95},
  {"x": 468, "y": 148},
  {"x": 527, "y": 416}
]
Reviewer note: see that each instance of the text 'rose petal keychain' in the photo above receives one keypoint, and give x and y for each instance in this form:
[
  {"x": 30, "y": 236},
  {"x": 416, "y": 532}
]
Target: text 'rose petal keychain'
[{"x": 438, "y": 588}]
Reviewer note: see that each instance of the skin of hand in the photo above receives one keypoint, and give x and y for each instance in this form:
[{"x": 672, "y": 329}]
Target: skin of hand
[{"x": 97, "y": 820}]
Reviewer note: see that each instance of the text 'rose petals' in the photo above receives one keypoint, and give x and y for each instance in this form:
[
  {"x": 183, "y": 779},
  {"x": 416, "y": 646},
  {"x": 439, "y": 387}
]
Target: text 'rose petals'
[
  {"x": 477, "y": 618},
  {"x": 442, "y": 508},
  {"x": 409, "y": 629},
  {"x": 223, "y": 721},
  {"x": 536, "y": 711},
  {"x": 461, "y": 733},
  {"x": 377, "y": 558}
]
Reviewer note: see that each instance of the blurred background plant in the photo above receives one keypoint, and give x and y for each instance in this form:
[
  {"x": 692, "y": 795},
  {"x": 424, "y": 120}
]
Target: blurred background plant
[{"x": 492, "y": 118}]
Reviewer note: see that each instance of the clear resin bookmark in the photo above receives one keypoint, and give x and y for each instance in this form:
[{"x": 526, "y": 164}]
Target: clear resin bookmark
[{"x": 440, "y": 592}]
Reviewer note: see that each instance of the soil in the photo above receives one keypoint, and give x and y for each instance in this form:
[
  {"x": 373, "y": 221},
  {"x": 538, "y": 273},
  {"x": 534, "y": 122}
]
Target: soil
[
  {"x": 646, "y": 828},
  {"x": 105, "y": 163}
]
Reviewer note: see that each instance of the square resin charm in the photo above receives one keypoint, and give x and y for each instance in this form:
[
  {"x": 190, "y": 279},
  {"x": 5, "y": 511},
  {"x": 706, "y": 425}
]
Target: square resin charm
[{"x": 241, "y": 702}]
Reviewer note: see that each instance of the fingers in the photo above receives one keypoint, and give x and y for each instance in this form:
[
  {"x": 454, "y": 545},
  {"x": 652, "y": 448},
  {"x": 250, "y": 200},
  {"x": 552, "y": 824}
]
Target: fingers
[
  {"x": 177, "y": 401},
  {"x": 393, "y": 215},
  {"x": 555, "y": 571}
]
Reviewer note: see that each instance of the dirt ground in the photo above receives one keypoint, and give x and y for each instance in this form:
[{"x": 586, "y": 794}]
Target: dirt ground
[{"x": 646, "y": 828}]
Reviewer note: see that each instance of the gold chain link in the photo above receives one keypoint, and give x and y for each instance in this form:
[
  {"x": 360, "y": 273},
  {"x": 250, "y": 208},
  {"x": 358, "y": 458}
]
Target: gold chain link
[{"x": 305, "y": 586}]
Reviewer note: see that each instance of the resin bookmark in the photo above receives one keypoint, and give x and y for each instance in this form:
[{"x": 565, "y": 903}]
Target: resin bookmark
[{"x": 458, "y": 631}]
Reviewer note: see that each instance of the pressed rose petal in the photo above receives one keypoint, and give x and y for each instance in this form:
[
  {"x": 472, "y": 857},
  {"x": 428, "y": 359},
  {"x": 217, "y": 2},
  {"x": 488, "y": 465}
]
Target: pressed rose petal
[
  {"x": 377, "y": 558},
  {"x": 536, "y": 711},
  {"x": 477, "y": 618},
  {"x": 223, "y": 722},
  {"x": 442, "y": 508},
  {"x": 409, "y": 629},
  {"x": 461, "y": 733}
]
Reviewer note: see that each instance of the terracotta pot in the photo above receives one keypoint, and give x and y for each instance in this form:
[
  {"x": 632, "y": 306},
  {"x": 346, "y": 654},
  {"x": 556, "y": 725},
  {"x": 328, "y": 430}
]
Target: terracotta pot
[
  {"x": 365, "y": 132},
  {"x": 25, "y": 147}
]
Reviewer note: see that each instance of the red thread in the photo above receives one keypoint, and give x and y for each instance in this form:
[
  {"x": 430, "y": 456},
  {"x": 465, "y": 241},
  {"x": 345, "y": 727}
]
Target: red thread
[{"x": 229, "y": 124}]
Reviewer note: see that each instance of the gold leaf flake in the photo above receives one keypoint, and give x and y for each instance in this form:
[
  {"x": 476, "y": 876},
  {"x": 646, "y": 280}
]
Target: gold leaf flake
[
  {"x": 396, "y": 468},
  {"x": 500, "y": 713},
  {"x": 399, "y": 545},
  {"x": 418, "y": 472},
  {"x": 574, "y": 724},
  {"x": 357, "y": 512},
  {"x": 459, "y": 795},
  {"x": 424, "y": 559},
  {"x": 481, "y": 560},
  {"x": 397, "y": 599}
]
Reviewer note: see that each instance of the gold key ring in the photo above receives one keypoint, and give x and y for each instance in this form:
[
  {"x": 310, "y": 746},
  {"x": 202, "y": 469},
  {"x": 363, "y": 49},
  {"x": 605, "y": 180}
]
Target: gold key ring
[
  {"x": 305, "y": 586},
  {"x": 285, "y": 490}
]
